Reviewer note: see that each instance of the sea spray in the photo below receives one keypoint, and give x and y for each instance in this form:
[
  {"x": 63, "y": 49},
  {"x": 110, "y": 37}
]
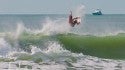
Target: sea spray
[
  {"x": 60, "y": 25},
  {"x": 5, "y": 48},
  {"x": 19, "y": 30},
  {"x": 55, "y": 26},
  {"x": 9, "y": 42},
  {"x": 79, "y": 11},
  {"x": 15, "y": 36}
]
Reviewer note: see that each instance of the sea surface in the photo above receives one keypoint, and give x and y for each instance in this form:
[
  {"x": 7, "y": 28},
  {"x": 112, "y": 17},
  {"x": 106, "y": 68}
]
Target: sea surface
[{"x": 47, "y": 41}]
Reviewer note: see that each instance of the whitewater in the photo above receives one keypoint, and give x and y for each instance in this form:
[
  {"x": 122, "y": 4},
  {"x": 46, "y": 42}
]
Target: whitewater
[{"x": 44, "y": 42}]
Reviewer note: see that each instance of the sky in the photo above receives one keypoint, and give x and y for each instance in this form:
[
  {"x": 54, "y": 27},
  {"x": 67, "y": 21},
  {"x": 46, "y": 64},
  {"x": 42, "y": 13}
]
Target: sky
[{"x": 60, "y": 6}]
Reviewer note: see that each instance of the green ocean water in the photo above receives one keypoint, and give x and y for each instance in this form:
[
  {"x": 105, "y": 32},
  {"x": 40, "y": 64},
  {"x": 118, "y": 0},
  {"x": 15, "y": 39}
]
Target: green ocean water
[{"x": 104, "y": 47}]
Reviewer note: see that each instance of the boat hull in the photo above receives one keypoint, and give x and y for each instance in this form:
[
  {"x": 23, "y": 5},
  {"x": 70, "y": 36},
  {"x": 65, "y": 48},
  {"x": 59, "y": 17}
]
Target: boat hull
[{"x": 97, "y": 13}]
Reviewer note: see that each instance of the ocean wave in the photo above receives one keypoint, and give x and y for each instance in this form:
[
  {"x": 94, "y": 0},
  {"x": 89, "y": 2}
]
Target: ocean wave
[{"x": 99, "y": 46}]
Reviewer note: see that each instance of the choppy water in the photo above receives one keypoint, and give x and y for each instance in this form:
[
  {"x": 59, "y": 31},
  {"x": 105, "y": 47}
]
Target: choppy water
[{"x": 44, "y": 42}]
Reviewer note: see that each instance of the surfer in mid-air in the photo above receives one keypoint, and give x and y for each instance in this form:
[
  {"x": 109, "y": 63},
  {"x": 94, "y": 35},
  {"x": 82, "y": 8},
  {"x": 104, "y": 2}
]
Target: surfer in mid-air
[{"x": 74, "y": 21}]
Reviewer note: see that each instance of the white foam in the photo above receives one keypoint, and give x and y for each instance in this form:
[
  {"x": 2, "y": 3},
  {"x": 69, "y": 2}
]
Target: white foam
[
  {"x": 54, "y": 47},
  {"x": 34, "y": 49},
  {"x": 53, "y": 67},
  {"x": 5, "y": 48}
]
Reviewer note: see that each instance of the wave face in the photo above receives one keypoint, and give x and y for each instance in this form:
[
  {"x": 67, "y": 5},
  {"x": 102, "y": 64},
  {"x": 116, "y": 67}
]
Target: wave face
[
  {"x": 104, "y": 47},
  {"x": 44, "y": 42}
]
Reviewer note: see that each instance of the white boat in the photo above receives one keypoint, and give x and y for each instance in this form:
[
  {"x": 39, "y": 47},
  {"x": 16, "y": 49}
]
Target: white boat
[{"x": 97, "y": 12}]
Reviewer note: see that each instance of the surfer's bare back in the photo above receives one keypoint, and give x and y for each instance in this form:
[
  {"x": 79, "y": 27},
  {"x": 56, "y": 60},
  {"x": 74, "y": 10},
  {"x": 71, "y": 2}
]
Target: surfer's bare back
[{"x": 73, "y": 21}]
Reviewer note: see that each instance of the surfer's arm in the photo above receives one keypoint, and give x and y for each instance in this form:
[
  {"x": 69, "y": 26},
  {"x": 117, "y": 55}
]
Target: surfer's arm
[{"x": 70, "y": 12}]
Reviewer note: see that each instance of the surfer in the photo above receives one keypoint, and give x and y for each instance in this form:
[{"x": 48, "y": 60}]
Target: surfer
[{"x": 74, "y": 21}]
